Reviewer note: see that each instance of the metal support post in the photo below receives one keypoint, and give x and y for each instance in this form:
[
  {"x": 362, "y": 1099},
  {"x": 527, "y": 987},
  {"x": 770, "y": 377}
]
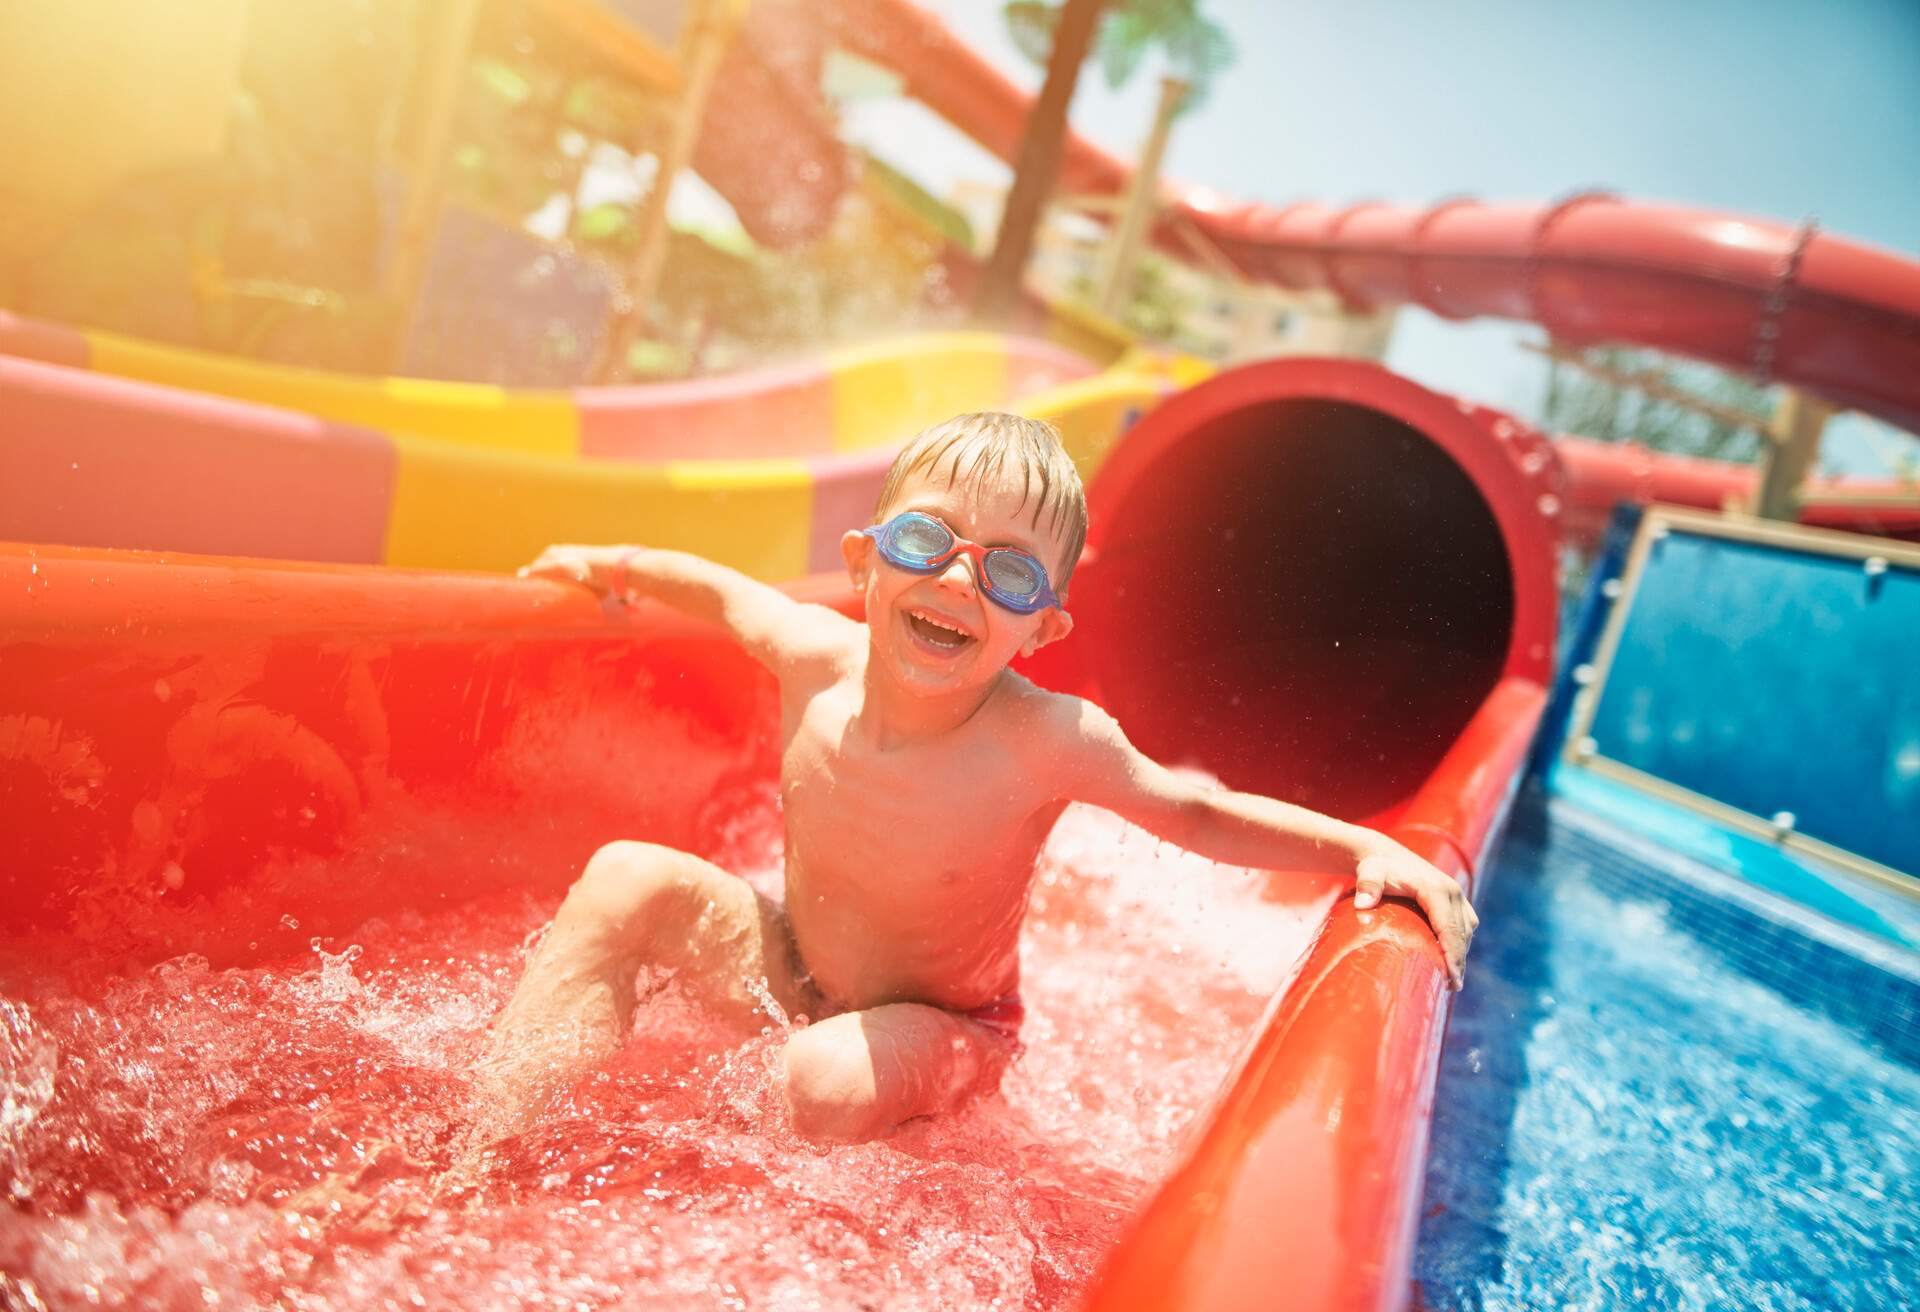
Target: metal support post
[
  {"x": 1793, "y": 444},
  {"x": 1122, "y": 255},
  {"x": 447, "y": 44},
  {"x": 711, "y": 30}
]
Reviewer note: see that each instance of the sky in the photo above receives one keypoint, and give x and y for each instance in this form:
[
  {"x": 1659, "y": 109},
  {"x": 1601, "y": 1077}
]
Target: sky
[{"x": 1785, "y": 109}]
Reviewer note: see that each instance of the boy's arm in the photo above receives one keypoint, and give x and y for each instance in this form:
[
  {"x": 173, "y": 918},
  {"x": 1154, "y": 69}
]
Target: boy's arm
[
  {"x": 1243, "y": 829},
  {"x": 776, "y": 630}
]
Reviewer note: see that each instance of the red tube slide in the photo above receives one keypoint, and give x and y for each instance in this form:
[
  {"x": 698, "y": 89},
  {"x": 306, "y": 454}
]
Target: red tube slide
[
  {"x": 1601, "y": 475},
  {"x": 1784, "y": 303},
  {"x": 1322, "y": 581},
  {"x": 1311, "y": 578}
]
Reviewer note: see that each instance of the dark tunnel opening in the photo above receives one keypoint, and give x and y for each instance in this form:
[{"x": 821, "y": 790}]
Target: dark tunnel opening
[{"x": 1308, "y": 598}]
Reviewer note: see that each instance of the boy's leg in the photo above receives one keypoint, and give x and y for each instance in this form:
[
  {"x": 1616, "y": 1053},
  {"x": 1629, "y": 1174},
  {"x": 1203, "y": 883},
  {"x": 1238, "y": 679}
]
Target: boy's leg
[
  {"x": 635, "y": 904},
  {"x": 862, "y": 1073}
]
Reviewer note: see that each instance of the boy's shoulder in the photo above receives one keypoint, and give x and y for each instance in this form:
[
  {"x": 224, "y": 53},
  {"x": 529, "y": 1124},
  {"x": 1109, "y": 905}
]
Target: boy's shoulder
[
  {"x": 1047, "y": 720},
  {"x": 815, "y": 633}
]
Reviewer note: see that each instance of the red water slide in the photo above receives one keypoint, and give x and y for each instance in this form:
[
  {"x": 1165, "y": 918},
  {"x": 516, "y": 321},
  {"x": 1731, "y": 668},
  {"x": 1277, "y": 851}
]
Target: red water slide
[
  {"x": 1311, "y": 577},
  {"x": 1600, "y": 475},
  {"x": 1784, "y": 303},
  {"x": 190, "y": 748}
]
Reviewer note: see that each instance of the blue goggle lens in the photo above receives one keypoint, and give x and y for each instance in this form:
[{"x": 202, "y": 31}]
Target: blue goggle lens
[
  {"x": 920, "y": 537},
  {"x": 1015, "y": 573}
]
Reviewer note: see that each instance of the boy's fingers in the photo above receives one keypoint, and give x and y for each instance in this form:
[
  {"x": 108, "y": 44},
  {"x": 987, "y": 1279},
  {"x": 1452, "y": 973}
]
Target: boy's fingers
[
  {"x": 1450, "y": 914},
  {"x": 1447, "y": 909},
  {"x": 1366, "y": 891},
  {"x": 1468, "y": 921}
]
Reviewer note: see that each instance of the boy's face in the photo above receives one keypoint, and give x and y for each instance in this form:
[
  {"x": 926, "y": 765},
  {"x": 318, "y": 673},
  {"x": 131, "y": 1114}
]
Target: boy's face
[{"x": 939, "y": 633}]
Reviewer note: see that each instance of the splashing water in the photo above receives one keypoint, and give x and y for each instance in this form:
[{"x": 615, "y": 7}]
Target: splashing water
[{"x": 270, "y": 1136}]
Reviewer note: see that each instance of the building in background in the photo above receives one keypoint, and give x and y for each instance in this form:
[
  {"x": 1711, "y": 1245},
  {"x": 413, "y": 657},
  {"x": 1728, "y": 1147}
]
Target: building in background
[{"x": 1211, "y": 313}]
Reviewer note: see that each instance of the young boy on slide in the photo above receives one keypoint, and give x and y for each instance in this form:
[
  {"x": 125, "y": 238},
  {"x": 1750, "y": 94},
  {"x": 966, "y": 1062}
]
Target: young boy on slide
[{"x": 919, "y": 778}]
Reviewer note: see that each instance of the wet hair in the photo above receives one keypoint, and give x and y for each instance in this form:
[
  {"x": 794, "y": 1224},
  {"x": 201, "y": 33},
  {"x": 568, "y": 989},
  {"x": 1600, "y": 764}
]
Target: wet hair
[{"x": 970, "y": 450}]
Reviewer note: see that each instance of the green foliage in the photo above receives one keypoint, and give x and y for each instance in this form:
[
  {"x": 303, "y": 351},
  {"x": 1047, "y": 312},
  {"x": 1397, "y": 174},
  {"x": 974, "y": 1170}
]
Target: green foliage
[
  {"x": 942, "y": 217},
  {"x": 270, "y": 248},
  {"x": 608, "y": 224},
  {"x": 1031, "y": 23},
  {"x": 1583, "y": 404},
  {"x": 501, "y": 80},
  {"x": 1158, "y": 306},
  {"x": 1197, "y": 49},
  {"x": 1577, "y": 402}
]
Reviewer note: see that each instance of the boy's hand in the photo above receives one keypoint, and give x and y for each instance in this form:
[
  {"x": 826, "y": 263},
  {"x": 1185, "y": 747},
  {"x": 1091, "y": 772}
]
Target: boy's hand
[
  {"x": 591, "y": 567},
  {"x": 1390, "y": 868}
]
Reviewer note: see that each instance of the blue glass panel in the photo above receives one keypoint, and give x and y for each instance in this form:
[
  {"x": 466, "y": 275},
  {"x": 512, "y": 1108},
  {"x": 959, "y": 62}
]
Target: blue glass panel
[{"x": 1775, "y": 680}]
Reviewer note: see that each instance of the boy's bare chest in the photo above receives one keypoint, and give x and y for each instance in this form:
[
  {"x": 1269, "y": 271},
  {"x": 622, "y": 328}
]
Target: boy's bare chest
[{"x": 939, "y": 810}]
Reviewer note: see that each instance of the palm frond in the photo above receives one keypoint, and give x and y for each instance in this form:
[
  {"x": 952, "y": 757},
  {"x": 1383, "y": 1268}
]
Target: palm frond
[
  {"x": 1030, "y": 25},
  {"x": 1121, "y": 43},
  {"x": 1197, "y": 49}
]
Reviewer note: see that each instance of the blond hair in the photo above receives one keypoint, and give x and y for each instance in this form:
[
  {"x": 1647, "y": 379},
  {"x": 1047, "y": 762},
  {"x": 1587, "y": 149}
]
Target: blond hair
[{"x": 975, "y": 448}]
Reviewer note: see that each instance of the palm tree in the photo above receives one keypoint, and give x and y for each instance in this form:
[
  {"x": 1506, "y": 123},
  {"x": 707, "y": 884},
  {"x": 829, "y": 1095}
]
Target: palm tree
[
  {"x": 1070, "y": 34},
  {"x": 1197, "y": 49},
  {"x": 1058, "y": 34}
]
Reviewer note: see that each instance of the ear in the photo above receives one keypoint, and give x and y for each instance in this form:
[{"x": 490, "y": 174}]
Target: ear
[
  {"x": 856, "y": 548},
  {"x": 1055, "y": 624}
]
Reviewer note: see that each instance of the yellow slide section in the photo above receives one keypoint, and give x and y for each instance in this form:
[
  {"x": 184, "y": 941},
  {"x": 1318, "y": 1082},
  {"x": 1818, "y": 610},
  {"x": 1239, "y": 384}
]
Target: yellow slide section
[
  {"x": 484, "y": 476},
  {"x": 880, "y": 394},
  {"x": 528, "y": 421},
  {"x": 883, "y": 395},
  {"x": 457, "y": 507},
  {"x": 460, "y": 508}
]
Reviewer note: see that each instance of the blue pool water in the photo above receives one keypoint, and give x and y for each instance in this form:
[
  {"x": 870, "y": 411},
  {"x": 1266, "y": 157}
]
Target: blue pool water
[{"x": 1627, "y": 1119}]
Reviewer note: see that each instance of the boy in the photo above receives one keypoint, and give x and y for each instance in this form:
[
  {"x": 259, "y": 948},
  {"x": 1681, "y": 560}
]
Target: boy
[{"x": 919, "y": 778}]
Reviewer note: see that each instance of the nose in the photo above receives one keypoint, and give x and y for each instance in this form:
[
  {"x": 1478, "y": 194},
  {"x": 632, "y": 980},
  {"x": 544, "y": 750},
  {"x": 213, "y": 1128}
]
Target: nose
[{"x": 958, "y": 575}]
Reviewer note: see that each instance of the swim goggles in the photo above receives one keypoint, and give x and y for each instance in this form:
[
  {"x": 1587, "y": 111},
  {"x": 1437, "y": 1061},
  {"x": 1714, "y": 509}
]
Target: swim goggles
[{"x": 921, "y": 544}]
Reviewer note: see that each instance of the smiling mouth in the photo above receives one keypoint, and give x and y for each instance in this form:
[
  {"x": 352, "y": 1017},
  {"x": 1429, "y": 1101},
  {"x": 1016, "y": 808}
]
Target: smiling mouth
[{"x": 937, "y": 631}]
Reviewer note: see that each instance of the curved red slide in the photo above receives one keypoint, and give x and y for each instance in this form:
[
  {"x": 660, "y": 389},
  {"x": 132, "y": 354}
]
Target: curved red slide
[
  {"x": 1325, "y": 582},
  {"x": 171, "y": 729},
  {"x": 1601, "y": 475},
  {"x": 1783, "y": 303},
  {"x": 189, "y": 744}
]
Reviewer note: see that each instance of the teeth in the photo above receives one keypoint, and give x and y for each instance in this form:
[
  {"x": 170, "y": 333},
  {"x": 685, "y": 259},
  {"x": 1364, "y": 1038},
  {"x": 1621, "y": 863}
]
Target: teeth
[{"x": 938, "y": 623}]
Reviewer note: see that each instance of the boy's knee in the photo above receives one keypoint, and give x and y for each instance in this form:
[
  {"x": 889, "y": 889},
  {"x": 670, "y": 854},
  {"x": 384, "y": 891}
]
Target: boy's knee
[
  {"x": 625, "y": 879},
  {"x": 828, "y": 1079}
]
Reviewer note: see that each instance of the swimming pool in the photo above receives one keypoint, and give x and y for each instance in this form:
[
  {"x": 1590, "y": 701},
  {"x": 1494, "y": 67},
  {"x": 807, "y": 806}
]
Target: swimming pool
[{"x": 1628, "y": 1118}]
